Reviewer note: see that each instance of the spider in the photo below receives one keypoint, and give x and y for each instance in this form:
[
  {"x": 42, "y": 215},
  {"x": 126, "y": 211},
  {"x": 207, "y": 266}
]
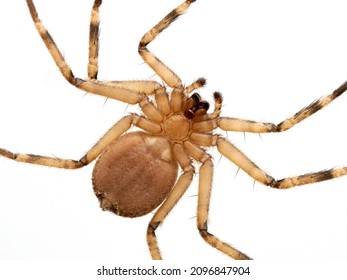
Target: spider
[{"x": 137, "y": 172}]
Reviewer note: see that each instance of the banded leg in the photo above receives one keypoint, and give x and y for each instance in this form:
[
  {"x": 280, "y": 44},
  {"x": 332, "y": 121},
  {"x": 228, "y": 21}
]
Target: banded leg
[
  {"x": 146, "y": 87},
  {"x": 164, "y": 72},
  {"x": 117, "y": 130},
  {"x": 131, "y": 92},
  {"x": 178, "y": 190},
  {"x": 311, "y": 109},
  {"x": 94, "y": 31},
  {"x": 204, "y": 195},
  {"x": 241, "y": 160},
  {"x": 233, "y": 124},
  {"x": 205, "y": 184},
  {"x": 195, "y": 85}
]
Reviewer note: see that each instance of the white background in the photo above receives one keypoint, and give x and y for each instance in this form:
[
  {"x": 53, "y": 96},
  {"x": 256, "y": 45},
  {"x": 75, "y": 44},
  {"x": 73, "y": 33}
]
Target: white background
[{"x": 268, "y": 58}]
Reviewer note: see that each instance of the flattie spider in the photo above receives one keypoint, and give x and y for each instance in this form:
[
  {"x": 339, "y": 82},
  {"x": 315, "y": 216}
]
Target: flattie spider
[{"x": 137, "y": 172}]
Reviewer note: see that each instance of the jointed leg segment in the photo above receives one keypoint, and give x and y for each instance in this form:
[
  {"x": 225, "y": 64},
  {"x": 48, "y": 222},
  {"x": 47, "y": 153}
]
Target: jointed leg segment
[
  {"x": 231, "y": 152},
  {"x": 42, "y": 160},
  {"x": 233, "y": 124},
  {"x": 164, "y": 72},
  {"x": 205, "y": 185},
  {"x": 127, "y": 91},
  {"x": 241, "y": 160},
  {"x": 117, "y": 130},
  {"x": 177, "y": 192},
  {"x": 94, "y": 31},
  {"x": 235, "y": 155},
  {"x": 204, "y": 195},
  {"x": 131, "y": 92}
]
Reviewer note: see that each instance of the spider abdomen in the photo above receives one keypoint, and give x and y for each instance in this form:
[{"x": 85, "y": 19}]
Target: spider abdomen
[{"x": 134, "y": 174}]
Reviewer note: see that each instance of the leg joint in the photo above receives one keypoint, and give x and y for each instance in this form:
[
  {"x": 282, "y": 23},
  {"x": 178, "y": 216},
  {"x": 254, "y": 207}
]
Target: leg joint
[
  {"x": 152, "y": 226},
  {"x": 202, "y": 227}
]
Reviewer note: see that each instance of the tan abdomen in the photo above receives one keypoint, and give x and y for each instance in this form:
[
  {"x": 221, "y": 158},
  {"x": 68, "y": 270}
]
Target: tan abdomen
[{"x": 134, "y": 174}]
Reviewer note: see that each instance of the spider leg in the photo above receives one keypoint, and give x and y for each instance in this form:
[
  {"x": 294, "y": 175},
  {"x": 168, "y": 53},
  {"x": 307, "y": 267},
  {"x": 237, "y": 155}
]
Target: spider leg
[
  {"x": 309, "y": 178},
  {"x": 311, "y": 109},
  {"x": 178, "y": 190},
  {"x": 94, "y": 31},
  {"x": 146, "y": 87},
  {"x": 233, "y": 124},
  {"x": 131, "y": 92},
  {"x": 164, "y": 72},
  {"x": 195, "y": 85},
  {"x": 204, "y": 195},
  {"x": 230, "y": 124},
  {"x": 218, "y": 100},
  {"x": 241, "y": 125},
  {"x": 242, "y": 161},
  {"x": 42, "y": 160},
  {"x": 118, "y": 129},
  {"x": 231, "y": 152}
]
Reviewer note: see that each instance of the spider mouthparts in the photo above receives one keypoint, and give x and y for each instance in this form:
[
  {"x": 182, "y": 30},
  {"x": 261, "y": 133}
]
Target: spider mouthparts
[{"x": 195, "y": 106}]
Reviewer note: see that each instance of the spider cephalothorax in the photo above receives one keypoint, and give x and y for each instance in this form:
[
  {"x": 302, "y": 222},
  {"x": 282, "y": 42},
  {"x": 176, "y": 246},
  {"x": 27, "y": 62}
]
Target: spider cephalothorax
[{"x": 137, "y": 172}]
